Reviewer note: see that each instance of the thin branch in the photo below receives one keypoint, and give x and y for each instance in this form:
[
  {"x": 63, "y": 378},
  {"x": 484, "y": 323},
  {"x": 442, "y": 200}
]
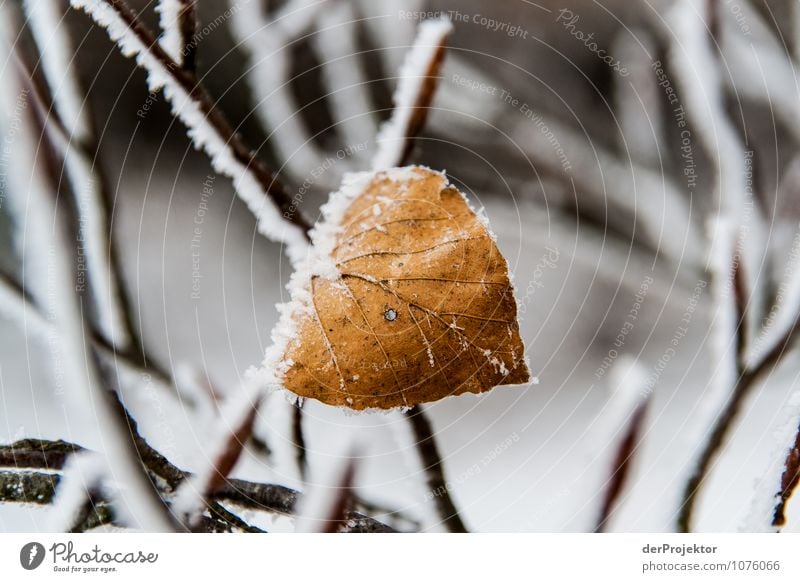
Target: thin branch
[
  {"x": 279, "y": 220},
  {"x": 344, "y": 76},
  {"x": 789, "y": 481},
  {"x": 326, "y": 505},
  {"x": 299, "y": 440},
  {"x": 18, "y": 306},
  {"x": 178, "y": 20},
  {"x": 24, "y": 484},
  {"x": 621, "y": 467},
  {"x": 78, "y": 147},
  {"x": 80, "y": 370},
  {"x": 419, "y": 78},
  {"x": 432, "y": 463},
  {"x": 225, "y": 450},
  {"x": 218, "y": 511},
  {"x": 746, "y": 382},
  {"x": 268, "y": 44}
]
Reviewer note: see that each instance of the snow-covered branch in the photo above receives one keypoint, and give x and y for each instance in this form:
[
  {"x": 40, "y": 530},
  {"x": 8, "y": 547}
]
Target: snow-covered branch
[
  {"x": 178, "y": 21},
  {"x": 416, "y": 87},
  {"x": 626, "y": 418},
  {"x": 76, "y": 141},
  {"x": 268, "y": 43},
  {"x": 276, "y": 213},
  {"x": 344, "y": 76},
  {"x": 234, "y": 430},
  {"x": 35, "y": 467},
  {"x": 327, "y": 503}
]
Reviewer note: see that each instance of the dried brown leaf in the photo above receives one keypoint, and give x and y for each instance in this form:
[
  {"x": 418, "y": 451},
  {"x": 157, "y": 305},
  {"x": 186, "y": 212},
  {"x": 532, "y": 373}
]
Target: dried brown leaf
[{"x": 420, "y": 306}]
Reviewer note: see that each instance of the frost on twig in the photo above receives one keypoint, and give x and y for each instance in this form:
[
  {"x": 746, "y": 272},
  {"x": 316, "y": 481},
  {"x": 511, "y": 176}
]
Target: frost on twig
[
  {"x": 789, "y": 481},
  {"x": 27, "y": 482},
  {"x": 81, "y": 480},
  {"x": 81, "y": 377},
  {"x": 327, "y": 503},
  {"x": 70, "y": 129},
  {"x": 277, "y": 216},
  {"x": 416, "y": 87},
  {"x": 223, "y": 454},
  {"x": 268, "y": 44},
  {"x": 776, "y": 485},
  {"x": 736, "y": 237},
  {"x": 625, "y": 420},
  {"x": 178, "y": 20},
  {"x": 343, "y": 74}
]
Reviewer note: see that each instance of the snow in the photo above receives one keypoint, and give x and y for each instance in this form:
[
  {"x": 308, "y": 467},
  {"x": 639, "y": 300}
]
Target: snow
[
  {"x": 82, "y": 474},
  {"x": 787, "y": 305},
  {"x": 626, "y": 381},
  {"x": 766, "y": 494},
  {"x": 170, "y": 19},
  {"x": 15, "y": 308},
  {"x": 698, "y": 76},
  {"x": 343, "y": 75},
  {"x": 189, "y": 499},
  {"x": 93, "y": 241},
  {"x": 319, "y": 502},
  {"x": 394, "y": 132},
  {"x": 638, "y": 100},
  {"x": 268, "y": 45},
  {"x": 46, "y": 20},
  {"x": 203, "y": 135}
]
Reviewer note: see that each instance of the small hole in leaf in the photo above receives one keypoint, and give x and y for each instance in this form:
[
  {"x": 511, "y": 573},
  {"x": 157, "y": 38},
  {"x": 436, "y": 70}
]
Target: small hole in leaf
[{"x": 390, "y": 314}]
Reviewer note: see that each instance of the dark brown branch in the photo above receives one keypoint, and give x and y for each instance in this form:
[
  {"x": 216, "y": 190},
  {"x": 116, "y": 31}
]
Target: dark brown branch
[
  {"x": 41, "y": 454},
  {"x": 95, "y": 513},
  {"x": 422, "y": 104},
  {"x": 622, "y": 465},
  {"x": 186, "y": 28},
  {"x": 189, "y": 83},
  {"x": 217, "y": 511},
  {"x": 89, "y": 151},
  {"x": 29, "y": 486},
  {"x": 299, "y": 441},
  {"x": 37, "y": 454},
  {"x": 434, "y": 470},
  {"x": 137, "y": 358},
  {"x": 789, "y": 482},
  {"x": 747, "y": 380}
]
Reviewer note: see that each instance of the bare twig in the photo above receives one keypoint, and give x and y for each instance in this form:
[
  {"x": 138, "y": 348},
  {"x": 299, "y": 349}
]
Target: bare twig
[
  {"x": 134, "y": 357},
  {"x": 789, "y": 482},
  {"x": 225, "y": 451},
  {"x": 326, "y": 506},
  {"x": 80, "y": 370},
  {"x": 24, "y": 484},
  {"x": 432, "y": 463},
  {"x": 268, "y": 44},
  {"x": 299, "y": 440},
  {"x": 622, "y": 465},
  {"x": 724, "y": 423}
]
